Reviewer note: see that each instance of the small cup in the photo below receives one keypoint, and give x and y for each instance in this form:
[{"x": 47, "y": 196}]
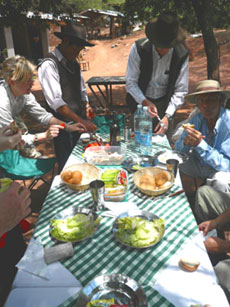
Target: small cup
[
  {"x": 172, "y": 166},
  {"x": 97, "y": 189}
]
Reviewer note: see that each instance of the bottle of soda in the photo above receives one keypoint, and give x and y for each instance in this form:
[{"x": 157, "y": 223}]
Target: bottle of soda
[
  {"x": 145, "y": 127},
  {"x": 115, "y": 133},
  {"x": 137, "y": 118}
]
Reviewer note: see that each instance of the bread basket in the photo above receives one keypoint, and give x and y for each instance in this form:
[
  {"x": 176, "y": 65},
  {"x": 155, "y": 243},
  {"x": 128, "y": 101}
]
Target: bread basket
[
  {"x": 89, "y": 173},
  {"x": 152, "y": 171}
]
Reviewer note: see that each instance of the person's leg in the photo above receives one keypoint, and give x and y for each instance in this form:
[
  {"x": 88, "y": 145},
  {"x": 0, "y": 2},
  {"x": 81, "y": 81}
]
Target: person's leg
[
  {"x": 10, "y": 255},
  {"x": 63, "y": 145},
  {"x": 222, "y": 270},
  {"x": 220, "y": 181},
  {"x": 210, "y": 203}
]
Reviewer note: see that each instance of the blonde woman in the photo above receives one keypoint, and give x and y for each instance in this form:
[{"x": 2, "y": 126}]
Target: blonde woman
[{"x": 16, "y": 96}]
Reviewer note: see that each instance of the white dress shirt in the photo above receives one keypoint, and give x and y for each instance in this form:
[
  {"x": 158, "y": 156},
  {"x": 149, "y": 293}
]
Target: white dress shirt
[
  {"x": 158, "y": 83},
  {"x": 50, "y": 82}
]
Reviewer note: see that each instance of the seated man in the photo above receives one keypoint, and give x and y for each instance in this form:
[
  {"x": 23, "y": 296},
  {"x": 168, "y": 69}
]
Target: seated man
[
  {"x": 213, "y": 207},
  {"x": 207, "y": 141}
]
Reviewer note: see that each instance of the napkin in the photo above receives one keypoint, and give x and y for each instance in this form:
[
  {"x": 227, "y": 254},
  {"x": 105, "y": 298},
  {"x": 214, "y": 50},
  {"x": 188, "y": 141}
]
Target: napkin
[
  {"x": 34, "y": 272},
  {"x": 33, "y": 260},
  {"x": 184, "y": 288},
  {"x": 116, "y": 208},
  {"x": 39, "y": 297}
]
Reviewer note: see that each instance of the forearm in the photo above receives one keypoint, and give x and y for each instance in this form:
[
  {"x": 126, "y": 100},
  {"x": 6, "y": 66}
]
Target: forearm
[
  {"x": 68, "y": 113},
  {"x": 223, "y": 219}
]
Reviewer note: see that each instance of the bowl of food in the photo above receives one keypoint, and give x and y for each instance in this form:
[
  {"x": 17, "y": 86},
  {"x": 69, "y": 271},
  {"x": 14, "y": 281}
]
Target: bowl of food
[
  {"x": 78, "y": 176},
  {"x": 74, "y": 225},
  {"x": 138, "y": 229},
  {"x": 153, "y": 181},
  {"x": 105, "y": 155}
]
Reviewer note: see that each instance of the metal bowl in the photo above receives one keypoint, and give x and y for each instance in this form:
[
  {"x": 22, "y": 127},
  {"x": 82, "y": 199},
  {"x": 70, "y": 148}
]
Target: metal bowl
[
  {"x": 136, "y": 213},
  {"x": 123, "y": 289},
  {"x": 163, "y": 156},
  {"x": 70, "y": 212}
]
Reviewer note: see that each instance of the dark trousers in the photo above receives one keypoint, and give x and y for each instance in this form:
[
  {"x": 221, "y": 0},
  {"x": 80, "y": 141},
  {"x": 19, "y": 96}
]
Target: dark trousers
[
  {"x": 10, "y": 255},
  {"x": 64, "y": 144}
]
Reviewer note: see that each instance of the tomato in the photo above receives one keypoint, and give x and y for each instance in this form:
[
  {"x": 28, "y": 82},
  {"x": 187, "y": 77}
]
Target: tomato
[
  {"x": 94, "y": 144},
  {"x": 63, "y": 125}
]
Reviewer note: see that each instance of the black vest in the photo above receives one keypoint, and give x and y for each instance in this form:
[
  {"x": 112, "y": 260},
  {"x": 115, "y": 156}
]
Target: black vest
[
  {"x": 70, "y": 82},
  {"x": 144, "y": 48}
]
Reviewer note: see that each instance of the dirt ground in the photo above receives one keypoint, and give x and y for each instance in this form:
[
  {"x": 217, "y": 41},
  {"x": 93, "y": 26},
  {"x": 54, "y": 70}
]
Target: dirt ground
[{"x": 109, "y": 58}]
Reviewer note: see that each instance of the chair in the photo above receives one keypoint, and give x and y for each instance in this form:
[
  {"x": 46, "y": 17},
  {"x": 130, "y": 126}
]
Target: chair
[{"x": 18, "y": 167}]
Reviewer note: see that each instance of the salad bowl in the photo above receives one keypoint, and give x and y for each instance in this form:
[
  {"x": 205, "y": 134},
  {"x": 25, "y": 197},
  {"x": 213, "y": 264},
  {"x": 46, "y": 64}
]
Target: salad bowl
[
  {"x": 74, "y": 225},
  {"x": 138, "y": 229}
]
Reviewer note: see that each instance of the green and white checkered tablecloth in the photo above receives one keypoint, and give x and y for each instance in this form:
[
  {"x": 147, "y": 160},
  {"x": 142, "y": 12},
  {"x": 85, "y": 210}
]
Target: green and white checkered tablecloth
[{"x": 101, "y": 254}]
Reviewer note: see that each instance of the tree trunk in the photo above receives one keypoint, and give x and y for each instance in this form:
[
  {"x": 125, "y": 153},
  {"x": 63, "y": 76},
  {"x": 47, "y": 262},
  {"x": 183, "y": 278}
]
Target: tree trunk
[{"x": 204, "y": 15}]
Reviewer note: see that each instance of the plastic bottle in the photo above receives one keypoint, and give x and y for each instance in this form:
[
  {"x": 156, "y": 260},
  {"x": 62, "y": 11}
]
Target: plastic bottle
[
  {"x": 115, "y": 133},
  {"x": 145, "y": 127},
  {"x": 137, "y": 118}
]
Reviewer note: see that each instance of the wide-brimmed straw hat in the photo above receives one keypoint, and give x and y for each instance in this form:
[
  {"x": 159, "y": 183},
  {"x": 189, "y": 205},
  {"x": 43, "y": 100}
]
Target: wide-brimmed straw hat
[
  {"x": 165, "y": 31},
  {"x": 76, "y": 32},
  {"x": 204, "y": 87}
]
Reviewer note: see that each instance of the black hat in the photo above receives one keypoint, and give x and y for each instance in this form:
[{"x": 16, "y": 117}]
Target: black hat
[
  {"x": 165, "y": 31},
  {"x": 76, "y": 32}
]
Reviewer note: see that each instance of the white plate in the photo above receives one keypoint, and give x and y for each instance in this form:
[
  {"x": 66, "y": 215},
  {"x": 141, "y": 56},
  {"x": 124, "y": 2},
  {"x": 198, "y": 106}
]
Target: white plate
[{"x": 163, "y": 156}]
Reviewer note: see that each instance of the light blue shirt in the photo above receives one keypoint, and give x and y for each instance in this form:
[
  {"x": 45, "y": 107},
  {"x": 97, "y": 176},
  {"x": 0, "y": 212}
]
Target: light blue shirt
[{"x": 214, "y": 150}]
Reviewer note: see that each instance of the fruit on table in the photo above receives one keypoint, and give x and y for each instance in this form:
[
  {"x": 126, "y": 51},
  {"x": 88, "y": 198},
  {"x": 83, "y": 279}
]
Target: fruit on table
[
  {"x": 94, "y": 144},
  {"x": 5, "y": 183}
]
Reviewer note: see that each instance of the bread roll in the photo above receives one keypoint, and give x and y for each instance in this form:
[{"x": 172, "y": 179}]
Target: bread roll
[
  {"x": 66, "y": 175},
  {"x": 74, "y": 177},
  {"x": 161, "y": 178},
  {"x": 189, "y": 263},
  {"x": 147, "y": 182},
  {"x": 188, "y": 125}
]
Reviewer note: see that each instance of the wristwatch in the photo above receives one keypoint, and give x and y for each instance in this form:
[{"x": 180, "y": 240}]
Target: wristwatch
[{"x": 168, "y": 116}]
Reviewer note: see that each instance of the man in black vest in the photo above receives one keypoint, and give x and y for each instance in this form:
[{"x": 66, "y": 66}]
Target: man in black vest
[
  {"x": 157, "y": 71},
  {"x": 64, "y": 88}
]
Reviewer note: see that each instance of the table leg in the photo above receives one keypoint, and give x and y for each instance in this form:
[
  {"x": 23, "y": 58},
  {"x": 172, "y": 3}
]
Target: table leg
[{"x": 97, "y": 98}]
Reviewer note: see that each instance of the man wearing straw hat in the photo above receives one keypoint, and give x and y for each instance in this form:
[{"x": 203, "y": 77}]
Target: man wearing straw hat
[
  {"x": 207, "y": 143},
  {"x": 64, "y": 88},
  {"x": 157, "y": 71}
]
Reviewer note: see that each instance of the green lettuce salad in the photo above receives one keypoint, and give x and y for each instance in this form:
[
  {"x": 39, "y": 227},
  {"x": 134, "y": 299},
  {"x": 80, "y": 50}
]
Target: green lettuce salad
[
  {"x": 139, "y": 232},
  {"x": 73, "y": 228}
]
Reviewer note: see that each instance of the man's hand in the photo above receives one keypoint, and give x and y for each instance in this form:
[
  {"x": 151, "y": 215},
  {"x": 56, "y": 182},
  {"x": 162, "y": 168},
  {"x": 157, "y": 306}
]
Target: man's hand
[
  {"x": 152, "y": 109},
  {"x": 193, "y": 137},
  {"x": 79, "y": 127},
  {"x": 14, "y": 206},
  {"x": 90, "y": 127},
  {"x": 207, "y": 226},
  {"x": 162, "y": 126},
  {"x": 217, "y": 245}
]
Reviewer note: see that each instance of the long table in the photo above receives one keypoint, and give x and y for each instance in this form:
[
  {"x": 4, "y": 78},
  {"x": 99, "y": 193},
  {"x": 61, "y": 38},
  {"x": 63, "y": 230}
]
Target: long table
[{"x": 101, "y": 254}]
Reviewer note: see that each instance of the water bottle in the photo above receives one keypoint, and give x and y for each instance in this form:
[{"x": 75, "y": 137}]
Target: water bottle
[
  {"x": 145, "y": 127},
  {"x": 137, "y": 119}
]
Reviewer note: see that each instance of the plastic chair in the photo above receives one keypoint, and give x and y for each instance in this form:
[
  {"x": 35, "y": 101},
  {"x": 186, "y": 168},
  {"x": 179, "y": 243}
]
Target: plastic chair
[{"x": 18, "y": 167}]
